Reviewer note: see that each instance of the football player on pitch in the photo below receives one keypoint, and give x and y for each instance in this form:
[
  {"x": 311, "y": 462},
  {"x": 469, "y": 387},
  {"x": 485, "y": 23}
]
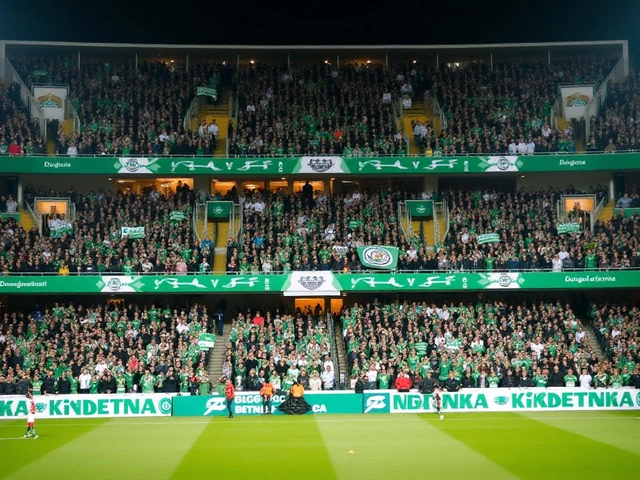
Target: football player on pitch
[
  {"x": 437, "y": 402},
  {"x": 31, "y": 418}
]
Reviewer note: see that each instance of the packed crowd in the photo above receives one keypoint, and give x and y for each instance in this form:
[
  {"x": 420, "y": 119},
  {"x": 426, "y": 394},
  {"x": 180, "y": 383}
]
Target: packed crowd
[
  {"x": 617, "y": 127},
  {"x": 102, "y": 239},
  {"x": 307, "y": 231},
  {"x": 506, "y": 107},
  {"x": 280, "y": 348},
  {"x": 617, "y": 327},
  {"x": 19, "y": 132},
  {"x": 316, "y": 110},
  {"x": 127, "y": 108},
  {"x": 487, "y": 344},
  {"x": 525, "y": 225},
  {"x": 104, "y": 348}
]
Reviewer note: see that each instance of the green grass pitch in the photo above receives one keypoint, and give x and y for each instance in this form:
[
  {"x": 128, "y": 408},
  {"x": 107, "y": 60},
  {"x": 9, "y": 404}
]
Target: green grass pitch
[{"x": 563, "y": 445}]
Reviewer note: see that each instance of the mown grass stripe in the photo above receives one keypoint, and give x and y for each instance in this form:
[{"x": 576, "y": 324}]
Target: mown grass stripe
[
  {"x": 17, "y": 455},
  {"x": 530, "y": 449},
  {"x": 276, "y": 448},
  {"x": 401, "y": 446},
  {"x": 115, "y": 452}
]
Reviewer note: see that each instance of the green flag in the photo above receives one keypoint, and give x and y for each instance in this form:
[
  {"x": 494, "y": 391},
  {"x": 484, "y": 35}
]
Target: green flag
[
  {"x": 57, "y": 232},
  {"x": 420, "y": 208},
  {"x": 218, "y": 209},
  {"x": 488, "y": 238},
  {"x": 206, "y": 340},
  {"x": 568, "y": 228},
  {"x": 207, "y": 92},
  {"x": 133, "y": 232},
  {"x": 379, "y": 257},
  {"x": 177, "y": 216}
]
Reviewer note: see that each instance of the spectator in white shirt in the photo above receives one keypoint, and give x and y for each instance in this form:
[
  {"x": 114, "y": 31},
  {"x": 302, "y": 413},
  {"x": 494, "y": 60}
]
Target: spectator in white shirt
[
  {"x": 556, "y": 264},
  {"x": 513, "y": 148},
  {"x": 585, "y": 379},
  {"x": 328, "y": 378},
  {"x": 315, "y": 383},
  {"x": 72, "y": 151},
  {"x": 12, "y": 205}
]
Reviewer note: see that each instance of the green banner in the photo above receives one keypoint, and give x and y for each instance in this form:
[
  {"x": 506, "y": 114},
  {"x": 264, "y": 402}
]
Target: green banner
[
  {"x": 177, "y": 216},
  {"x": 328, "y": 165},
  {"x": 219, "y": 209},
  {"x": 133, "y": 232},
  {"x": 207, "y": 92},
  {"x": 420, "y": 208},
  {"x": 568, "y": 228},
  {"x": 5, "y": 215},
  {"x": 250, "y": 403},
  {"x": 207, "y": 340},
  {"x": 627, "y": 212},
  {"x": 60, "y": 230},
  {"x": 84, "y": 406},
  {"x": 488, "y": 238},
  {"x": 379, "y": 257},
  {"x": 503, "y": 400},
  {"x": 318, "y": 283}
]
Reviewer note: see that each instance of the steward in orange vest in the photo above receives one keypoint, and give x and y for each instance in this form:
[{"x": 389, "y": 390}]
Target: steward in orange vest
[{"x": 266, "y": 392}]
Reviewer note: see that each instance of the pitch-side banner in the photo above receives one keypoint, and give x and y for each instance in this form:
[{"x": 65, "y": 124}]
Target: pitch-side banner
[
  {"x": 305, "y": 166},
  {"x": 504, "y": 400},
  {"x": 250, "y": 403},
  {"x": 83, "y": 406}
]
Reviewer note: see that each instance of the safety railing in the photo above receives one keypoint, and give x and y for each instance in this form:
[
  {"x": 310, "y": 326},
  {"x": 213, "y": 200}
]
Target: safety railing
[
  {"x": 599, "y": 97},
  {"x": 10, "y": 75}
]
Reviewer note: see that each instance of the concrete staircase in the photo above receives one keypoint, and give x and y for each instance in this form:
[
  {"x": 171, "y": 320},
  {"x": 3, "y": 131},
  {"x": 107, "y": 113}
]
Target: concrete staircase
[
  {"x": 592, "y": 340},
  {"x": 429, "y": 231},
  {"x": 221, "y": 114},
  {"x": 607, "y": 211},
  {"x": 26, "y": 220},
  {"x": 341, "y": 357},
  {"x": 417, "y": 113},
  {"x": 216, "y": 357},
  {"x": 221, "y": 236}
]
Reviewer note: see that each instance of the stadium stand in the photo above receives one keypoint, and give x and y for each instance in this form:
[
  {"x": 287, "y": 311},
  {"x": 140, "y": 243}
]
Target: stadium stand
[
  {"x": 128, "y": 109},
  {"x": 19, "y": 133},
  {"x": 493, "y": 341},
  {"x": 617, "y": 328},
  {"x": 94, "y": 242},
  {"x": 103, "y": 348},
  {"x": 281, "y": 348},
  {"x": 317, "y": 110}
]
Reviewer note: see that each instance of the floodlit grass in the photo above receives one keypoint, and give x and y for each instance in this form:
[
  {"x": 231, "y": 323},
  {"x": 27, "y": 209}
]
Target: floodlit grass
[{"x": 563, "y": 445}]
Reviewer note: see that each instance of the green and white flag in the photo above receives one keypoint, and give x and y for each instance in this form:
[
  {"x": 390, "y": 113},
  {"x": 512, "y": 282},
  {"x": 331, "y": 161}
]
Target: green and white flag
[
  {"x": 488, "y": 238},
  {"x": 568, "y": 228},
  {"x": 217, "y": 209},
  {"x": 133, "y": 232},
  {"x": 420, "y": 208},
  {"x": 207, "y": 92},
  {"x": 60, "y": 230},
  {"x": 379, "y": 257},
  {"x": 206, "y": 340},
  {"x": 177, "y": 216}
]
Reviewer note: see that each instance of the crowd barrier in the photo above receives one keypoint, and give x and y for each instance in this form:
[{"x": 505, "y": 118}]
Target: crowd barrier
[{"x": 371, "y": 401}]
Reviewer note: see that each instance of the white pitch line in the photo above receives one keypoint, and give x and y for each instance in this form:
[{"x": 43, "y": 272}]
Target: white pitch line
[{"x": 16, "y": 438}]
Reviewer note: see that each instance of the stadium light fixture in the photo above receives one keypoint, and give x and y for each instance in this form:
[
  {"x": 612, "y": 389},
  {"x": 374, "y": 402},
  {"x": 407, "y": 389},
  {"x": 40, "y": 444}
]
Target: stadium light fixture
[
  {"x": 415, "y": 61},
  {"x": 109, "y": 179},
  {"x": 368, "y": 62},
  {"x": 252, "y": 61}
]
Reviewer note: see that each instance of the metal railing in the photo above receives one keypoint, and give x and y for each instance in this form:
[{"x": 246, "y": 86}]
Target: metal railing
[
  {"x": 192, "y": 112},
  {"x": 369, "y": 272},
  {"x": 194, "y": 220},
  {"x": 72, "y": 114},
  {"x": 595, "y": 212},
  {"x": 10, "y": 75},
  {"x": 334, "y": 351}
]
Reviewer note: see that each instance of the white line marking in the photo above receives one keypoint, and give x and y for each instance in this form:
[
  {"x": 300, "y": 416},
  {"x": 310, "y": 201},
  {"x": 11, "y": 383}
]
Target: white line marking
[
  {"x": 16, "y": 438},
  {"x": 377, "y": 418}
]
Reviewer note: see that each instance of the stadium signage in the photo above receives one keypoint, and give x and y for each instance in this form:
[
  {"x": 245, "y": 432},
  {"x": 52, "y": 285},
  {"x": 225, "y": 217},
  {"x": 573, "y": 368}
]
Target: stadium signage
[
  {"x": 318, "y": 283},
  {"x": 79, "y": 406},
  {"x": 503, "y": 400},
  {"x": 250, "y": 403},
  {"x": 321, "y": 165}
]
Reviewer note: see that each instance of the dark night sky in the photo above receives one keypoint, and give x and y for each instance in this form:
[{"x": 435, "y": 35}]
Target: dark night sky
[{"x": 321, "y": 22}]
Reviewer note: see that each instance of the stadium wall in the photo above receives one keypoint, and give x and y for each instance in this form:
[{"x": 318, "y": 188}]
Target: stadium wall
[{"x": 338, "y": 402}]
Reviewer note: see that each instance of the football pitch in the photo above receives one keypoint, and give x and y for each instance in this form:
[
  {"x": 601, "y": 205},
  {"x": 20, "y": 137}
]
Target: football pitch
[{"x": 585, "y": 445}]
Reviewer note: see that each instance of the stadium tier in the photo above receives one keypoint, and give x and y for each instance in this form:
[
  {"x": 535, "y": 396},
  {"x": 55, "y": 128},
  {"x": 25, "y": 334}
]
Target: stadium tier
[{"x": 106, "y": 348}]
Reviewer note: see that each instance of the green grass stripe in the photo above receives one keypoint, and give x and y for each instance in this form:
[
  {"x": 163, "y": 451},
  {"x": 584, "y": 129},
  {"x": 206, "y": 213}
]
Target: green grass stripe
[
  {"x": 618, "y": 429},
  {"x": 118, "y": 448},
  {"x": 531, "y": 449},
  {"x": 266, "y": 447},
  {"x": 19, "y": 453},
  {"x": 400, "y": 446}
]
